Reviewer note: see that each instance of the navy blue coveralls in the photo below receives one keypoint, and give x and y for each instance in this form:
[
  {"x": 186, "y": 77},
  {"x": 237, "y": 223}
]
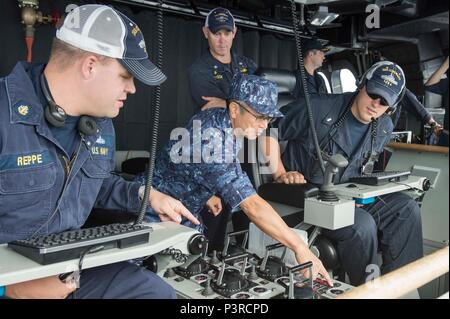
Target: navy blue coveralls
[
  {"x": 209, "y": 77},
  {"x": 392, "y": 224},
  {"x": 39, "y": 194},
  {"x": 316, "y": 84}
]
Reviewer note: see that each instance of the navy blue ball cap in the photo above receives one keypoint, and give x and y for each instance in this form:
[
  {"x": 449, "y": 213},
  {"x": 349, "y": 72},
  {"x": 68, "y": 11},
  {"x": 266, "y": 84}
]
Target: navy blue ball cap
[
  {"x": 218, "y": 19},
  {"x": 258, "y": 93},
  {"x": 387, "y": 80},
  {"x": 313, "y": 44},
  {"x": 103, "y": 30}
]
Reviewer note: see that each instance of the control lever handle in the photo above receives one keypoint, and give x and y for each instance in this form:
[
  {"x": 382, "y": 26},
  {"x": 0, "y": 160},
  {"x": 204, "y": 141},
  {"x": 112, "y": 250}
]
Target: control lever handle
[
  {"x": 266, "y": 255},
  {"x": 301, "y": 267},
  {"x": 332, "y": 167},
  {"x": 228, "y": 259},
  {"x": 231, "y": 258},
  {"x": 274, "y": 246},
  {"x": 294, "y": 269},
  {"x": 233, "y": 234}
]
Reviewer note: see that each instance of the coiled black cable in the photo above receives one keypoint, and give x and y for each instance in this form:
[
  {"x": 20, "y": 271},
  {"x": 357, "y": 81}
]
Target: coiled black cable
[
  {"x": 176, "y": 254},
  {"x": 304, "y": 83},
  {"x": 374, "y": 128},
  {"x": 154, "y": 137}
]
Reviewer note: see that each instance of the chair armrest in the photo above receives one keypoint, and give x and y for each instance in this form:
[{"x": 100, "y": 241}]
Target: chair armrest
[
  {"x": 292, "y": 195},
  {"x": 135, "y": 165}
]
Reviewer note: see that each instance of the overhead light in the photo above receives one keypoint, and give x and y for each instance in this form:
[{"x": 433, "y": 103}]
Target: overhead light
[
  {"x": 323, "y": 17},
  {"x": 308, "y": 2}
]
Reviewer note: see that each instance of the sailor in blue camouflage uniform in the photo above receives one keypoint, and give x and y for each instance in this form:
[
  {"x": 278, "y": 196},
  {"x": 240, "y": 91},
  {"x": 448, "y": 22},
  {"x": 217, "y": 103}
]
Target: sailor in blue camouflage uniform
[
  {"x": 202, "y": 161},
  {"x": 51, "y": 173},
  {"x": 211, "y": 74},
  {"x": 356, "y": 125}
]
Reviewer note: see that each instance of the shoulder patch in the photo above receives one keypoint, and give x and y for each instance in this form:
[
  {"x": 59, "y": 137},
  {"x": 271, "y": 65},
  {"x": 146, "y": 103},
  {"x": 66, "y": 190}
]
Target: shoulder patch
[
  {"x": 217, "y": 75},
  {"x": 103, "y": 146}
]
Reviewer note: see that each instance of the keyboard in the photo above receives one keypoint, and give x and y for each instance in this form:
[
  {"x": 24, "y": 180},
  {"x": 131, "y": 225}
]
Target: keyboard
[
  {"x": 381, "y": 178},
  {"x": 72, "y": 244}
]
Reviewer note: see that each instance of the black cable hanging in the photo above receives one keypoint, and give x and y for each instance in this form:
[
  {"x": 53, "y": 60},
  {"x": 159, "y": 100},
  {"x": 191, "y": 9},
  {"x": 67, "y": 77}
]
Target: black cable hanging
[
  {"x": 295, "y": 22},
  {"x": 154, "y": 137}
]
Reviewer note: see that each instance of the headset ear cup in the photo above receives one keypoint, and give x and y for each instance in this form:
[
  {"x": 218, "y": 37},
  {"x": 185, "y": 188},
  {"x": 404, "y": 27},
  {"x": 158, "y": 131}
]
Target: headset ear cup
[
  {"x": 57, "y": 120},
  {"x": 361, "y": 83},
  {"x": 54, "y": 114},
  {"x": 393, "y": 108},
  {"x": 87, "y": 125}
]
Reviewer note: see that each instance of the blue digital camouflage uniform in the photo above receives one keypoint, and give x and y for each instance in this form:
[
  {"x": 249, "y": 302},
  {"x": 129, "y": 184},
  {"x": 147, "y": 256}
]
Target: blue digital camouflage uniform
[
  {"x": 206, "y": 164},
  {"x": 201, "y": 173},
  {"x": 258, "y": 93},
  {"x": 209, "y": 77}
]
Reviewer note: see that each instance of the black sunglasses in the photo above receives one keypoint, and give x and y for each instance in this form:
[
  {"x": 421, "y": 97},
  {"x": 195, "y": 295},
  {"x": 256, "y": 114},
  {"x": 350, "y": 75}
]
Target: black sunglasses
[
  {"x": 383, "y": 101},
  {"x": 259, "y": 118}
]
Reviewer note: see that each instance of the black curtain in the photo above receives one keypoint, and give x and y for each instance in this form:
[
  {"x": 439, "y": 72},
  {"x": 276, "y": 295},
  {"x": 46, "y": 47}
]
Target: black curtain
[{"x": 183, "y": 43}]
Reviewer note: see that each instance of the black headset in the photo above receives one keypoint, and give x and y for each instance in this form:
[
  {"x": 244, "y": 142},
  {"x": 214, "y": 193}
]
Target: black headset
[
  {"x": 369, "y": 74},
  {"x": 56, "y": 116}
]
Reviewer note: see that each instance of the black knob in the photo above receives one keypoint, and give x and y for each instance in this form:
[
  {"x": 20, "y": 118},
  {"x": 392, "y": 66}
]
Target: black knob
[
  {"x": 196, "y": 244},
  {"x": 151, "y": 264},
  {"x": 426, "y": 185}
]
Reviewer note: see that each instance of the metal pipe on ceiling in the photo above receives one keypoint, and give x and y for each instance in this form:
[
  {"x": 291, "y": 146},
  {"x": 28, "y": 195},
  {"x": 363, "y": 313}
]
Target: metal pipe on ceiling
[{"x": 201, "y": 13}]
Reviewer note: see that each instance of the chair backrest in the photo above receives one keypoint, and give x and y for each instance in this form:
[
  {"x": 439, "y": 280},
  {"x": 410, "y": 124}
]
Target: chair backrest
[
  {"x": 130, "y": 163},
  {"x": 285, "y": 81}
]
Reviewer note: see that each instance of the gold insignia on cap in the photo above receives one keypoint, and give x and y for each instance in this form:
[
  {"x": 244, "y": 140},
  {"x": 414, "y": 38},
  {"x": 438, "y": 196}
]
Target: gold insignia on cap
[
  {"x": 23, "y": 110},
  {"x": 135, "y": 31}
]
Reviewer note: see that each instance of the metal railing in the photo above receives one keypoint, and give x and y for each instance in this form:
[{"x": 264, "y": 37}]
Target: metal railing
[{"x": 403, "y": 280}]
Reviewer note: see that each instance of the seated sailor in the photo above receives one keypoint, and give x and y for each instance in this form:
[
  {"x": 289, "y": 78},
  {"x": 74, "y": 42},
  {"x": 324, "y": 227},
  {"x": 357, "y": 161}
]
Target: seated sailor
[{"x": 358, "y": 126}]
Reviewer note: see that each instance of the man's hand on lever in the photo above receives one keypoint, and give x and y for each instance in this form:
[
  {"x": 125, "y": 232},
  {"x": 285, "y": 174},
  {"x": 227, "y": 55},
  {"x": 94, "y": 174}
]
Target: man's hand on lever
[
  {"x": 168, "y": 208},
  {"x": 213, "y": 102},
  {"x": 44, "y": 288},
  {"x": 214, "y": 205},
  {"x": 437, "y": 128},
  {"x": 304, "y": 255}
]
